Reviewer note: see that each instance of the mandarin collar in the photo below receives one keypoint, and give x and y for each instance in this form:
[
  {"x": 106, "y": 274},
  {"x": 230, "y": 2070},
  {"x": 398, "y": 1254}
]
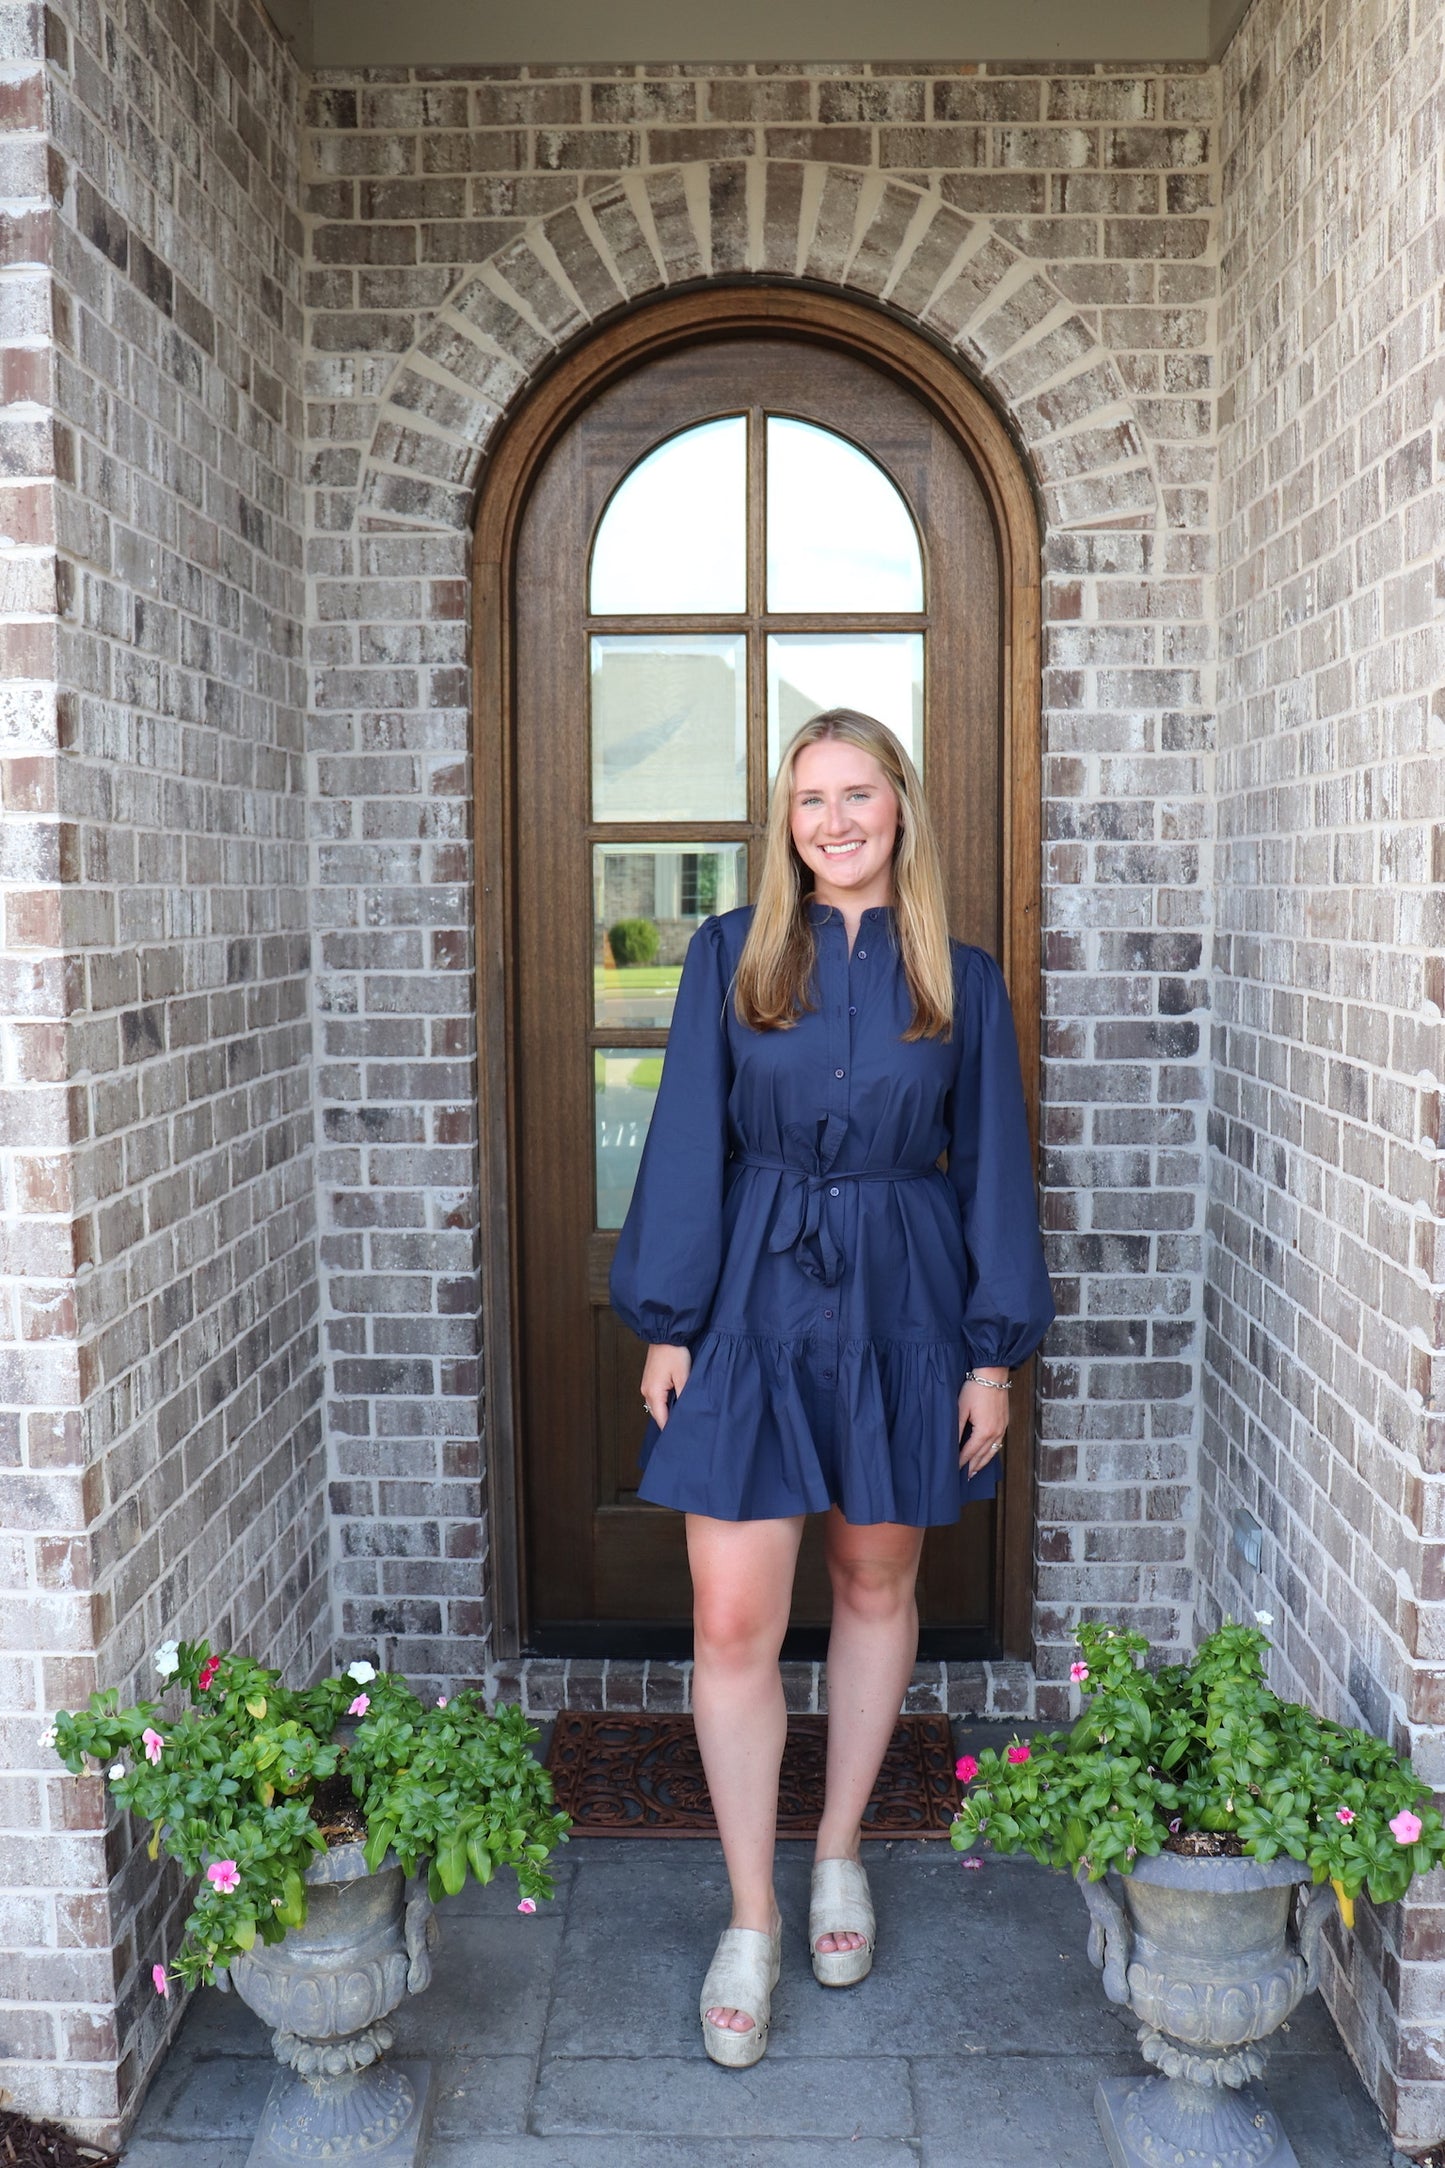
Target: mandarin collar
[{"x": 822, "y": 914}]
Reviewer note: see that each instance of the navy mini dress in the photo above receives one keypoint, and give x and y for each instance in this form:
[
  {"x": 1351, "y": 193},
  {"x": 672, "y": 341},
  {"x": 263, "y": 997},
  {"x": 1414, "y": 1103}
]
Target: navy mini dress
[{"x": 791, "y": 1227}]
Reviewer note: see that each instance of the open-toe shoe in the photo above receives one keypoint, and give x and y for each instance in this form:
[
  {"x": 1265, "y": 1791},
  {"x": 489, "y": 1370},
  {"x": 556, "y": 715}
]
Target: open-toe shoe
[
  {"x": 841, "y": 1905},
  {"x": 743, "y": 1973}
]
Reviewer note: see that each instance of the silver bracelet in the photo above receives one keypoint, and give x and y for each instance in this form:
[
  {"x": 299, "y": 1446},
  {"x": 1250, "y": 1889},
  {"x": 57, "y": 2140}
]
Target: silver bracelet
[{"x": 971, "y": 1377}]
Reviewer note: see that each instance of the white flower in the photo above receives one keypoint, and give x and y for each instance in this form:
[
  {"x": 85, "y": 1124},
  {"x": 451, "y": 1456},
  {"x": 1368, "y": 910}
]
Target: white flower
[
  {"x": 1264, "y": 1618},
  {"x": 168, "y": 1659},
  {"x": 361, "y": 1671},
  {"x": 47, "y": 1737},
  {"x": 116, "y": 1771}
]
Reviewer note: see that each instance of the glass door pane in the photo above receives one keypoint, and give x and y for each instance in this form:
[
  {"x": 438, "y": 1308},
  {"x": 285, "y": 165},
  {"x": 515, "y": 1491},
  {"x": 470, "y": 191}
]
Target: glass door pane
[
  {"x": 625, "y": 1081},
  {"x": 669, "y": 727},
  {"x": 840, "y": 536},
  {"x": 673, "y": 540},
  {"x": 648, "y": 898},
  {"x": 880, "y": 673}
]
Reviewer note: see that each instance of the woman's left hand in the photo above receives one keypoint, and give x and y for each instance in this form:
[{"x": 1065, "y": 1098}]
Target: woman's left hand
[{"x": 982, "y": 1421}]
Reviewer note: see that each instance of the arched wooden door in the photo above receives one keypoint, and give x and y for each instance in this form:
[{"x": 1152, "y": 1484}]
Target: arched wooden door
[{"x": 735, "y": 531}]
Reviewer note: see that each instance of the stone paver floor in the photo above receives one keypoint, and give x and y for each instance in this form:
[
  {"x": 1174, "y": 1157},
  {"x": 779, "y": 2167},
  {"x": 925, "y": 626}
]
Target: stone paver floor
[{"x": 570, "y": 2039}]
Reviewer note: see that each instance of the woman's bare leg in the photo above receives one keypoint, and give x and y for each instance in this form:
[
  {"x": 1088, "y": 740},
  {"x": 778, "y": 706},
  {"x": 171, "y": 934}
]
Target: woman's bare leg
[
  {"x": 742, "y": 1580},
  {"x": 871, "y": 1653}
]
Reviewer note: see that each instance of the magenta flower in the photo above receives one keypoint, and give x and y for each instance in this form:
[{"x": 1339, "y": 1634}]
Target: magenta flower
[
  {"x": 1019, "y": 1754},
  {"x": 153, "y": 1744},
  {"x": 1406, "y": 1827},
  {"x": 161, "y": 1984},
  {"x": 528, "y": 1904},
  {"x": 1078, "y": 1673},
  {"x": 209, "y": 1669},
  {"x": 441, "y": 1701},
  {"x": 360, "y": 1706},
  {"x": 1174, "y": 1825},
  {"x": 966, "y": 1769},
  {"x": 225, "y": 1874},
  {"x": 971, "y": 1862},
  {"x": 1344, "y": 1814}
]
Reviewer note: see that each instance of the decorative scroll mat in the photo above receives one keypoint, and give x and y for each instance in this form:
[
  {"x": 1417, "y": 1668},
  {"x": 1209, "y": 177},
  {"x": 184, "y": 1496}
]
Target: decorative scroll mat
[{"x": 624, "y": 1775}]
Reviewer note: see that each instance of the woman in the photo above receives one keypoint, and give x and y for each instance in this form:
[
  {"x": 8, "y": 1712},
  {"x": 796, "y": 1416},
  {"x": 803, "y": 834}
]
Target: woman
[{"x": 832, "y": 1318}]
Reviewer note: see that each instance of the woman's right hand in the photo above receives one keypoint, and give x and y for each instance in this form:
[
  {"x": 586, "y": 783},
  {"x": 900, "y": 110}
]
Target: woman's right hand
[{"x": 664, "y": 1374}]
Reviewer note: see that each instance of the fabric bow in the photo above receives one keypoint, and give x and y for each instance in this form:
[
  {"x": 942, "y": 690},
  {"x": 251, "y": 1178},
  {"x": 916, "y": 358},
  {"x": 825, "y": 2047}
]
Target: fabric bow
[{"x": 804, "y": 1225}]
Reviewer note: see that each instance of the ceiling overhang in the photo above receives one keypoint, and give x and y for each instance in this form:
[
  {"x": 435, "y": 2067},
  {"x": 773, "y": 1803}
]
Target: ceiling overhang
[{"x": 436, "y": 33}]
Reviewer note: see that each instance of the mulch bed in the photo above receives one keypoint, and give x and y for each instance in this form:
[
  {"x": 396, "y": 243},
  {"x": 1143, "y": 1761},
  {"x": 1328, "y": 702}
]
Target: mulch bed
[
  {"x": 24, "y": 2143},
  {"x": 634, "y": 1775}
]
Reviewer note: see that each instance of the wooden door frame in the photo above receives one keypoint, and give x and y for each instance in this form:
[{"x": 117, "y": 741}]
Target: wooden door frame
[{"x": 643, "y": 334}]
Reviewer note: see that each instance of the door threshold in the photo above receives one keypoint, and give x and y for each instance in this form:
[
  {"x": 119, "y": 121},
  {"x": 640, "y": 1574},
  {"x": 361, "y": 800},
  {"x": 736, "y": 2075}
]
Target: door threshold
[{"x": 591, "y": 1642}]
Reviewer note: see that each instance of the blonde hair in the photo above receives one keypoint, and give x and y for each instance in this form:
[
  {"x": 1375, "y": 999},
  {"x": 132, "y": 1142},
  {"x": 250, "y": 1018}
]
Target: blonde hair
[{"x": 775, "y": 969}]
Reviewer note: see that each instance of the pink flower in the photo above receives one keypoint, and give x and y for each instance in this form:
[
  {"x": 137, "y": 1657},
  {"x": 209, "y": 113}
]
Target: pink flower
[
  {"x": 1019, "y": 1754},
  {"x": 160, "y": 1982},
  {"x": 225, "y": 1874},
  {"x": 153, "y": 1744},
  {"x": 528, "y": 1904},
  {"x": 1174, "y": 1825},
  {"x": 1344, "y": 1814},
  {"x": 966, "y": 1769},
  {"x": 360, "y": 1706},
  {"x": 441, "y": 1701},
  {"x": 1078, "y": 1673},
  {"x": 1406, "y": 1827},
  {"x": 974, "y": 1863},
  {"x": 209, "y": 1669}
]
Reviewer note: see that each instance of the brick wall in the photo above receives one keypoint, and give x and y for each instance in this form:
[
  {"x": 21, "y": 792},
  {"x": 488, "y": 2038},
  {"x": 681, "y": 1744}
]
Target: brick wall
[
  {"x": 1055, "y": 229},
  {"x": 1323, "y": 1388},
  {"x": 160, "y": 1405}
]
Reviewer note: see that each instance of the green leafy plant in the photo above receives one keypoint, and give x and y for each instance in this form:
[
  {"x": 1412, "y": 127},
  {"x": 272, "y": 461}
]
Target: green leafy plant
[
  {"x": 633, "y": 941},
  {"x": 228, "y": 1782},
  {"x": 1204, "y": 1747}
]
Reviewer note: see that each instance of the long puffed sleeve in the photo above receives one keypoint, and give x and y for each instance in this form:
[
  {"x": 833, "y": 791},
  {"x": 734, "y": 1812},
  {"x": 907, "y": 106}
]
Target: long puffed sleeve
[
  {"x": 665, "y": 1270},
  {"x": 1009, "y": 1306}
]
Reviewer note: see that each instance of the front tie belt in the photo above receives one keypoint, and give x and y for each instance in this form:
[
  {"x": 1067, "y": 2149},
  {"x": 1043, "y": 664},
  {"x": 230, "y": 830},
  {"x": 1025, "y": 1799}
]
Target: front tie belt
[{"x": 803, "y": 1225}]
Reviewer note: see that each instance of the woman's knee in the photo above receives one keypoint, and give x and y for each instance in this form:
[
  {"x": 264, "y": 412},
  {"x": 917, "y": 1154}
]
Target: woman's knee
[
  {"x": 873, "y": 1588},
  {"x": 734, "y": 1630}
]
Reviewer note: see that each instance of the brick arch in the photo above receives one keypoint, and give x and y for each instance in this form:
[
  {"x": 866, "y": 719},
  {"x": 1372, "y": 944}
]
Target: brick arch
[{"x": 859, "y": 231}]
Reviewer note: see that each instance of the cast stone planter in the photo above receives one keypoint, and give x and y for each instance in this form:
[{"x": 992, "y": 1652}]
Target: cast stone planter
[
  {"x": 1211, "y": 1955},
  {"x": 328, "y": 1989}
]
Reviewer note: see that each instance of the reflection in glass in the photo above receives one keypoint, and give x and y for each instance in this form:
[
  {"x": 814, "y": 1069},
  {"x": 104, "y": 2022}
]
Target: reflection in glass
[
  {"x": 647, "y": 900},
  {"x": 879, "y": 672},
  {"x": 840, "y": 536},
  {"x": 669, "y": 727},
  {"x": 674, "y": 536},
  {"x": 625, "y": 1081}
]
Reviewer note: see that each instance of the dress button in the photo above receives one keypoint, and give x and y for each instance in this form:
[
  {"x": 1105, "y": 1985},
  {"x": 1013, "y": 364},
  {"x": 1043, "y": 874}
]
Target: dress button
[
  {"x": 837, "y": 1072},
  {"x": 832, "y": 1193},
  {"x": 862, "y": 956},
  {"x": 852, "y": 1012},
  {"x": 827, "y": 1377},
  {"x": 827, "y": 1313}
]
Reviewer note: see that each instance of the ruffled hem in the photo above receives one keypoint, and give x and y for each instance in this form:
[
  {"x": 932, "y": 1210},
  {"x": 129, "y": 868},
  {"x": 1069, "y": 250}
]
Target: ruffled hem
[{"x": 757, "y": 1434}]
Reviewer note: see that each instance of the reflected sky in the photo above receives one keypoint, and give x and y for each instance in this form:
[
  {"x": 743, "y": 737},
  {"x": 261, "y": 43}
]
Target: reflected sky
[
  {"x": 840, "y": 536},
  {"x": 674, "y": 537}
]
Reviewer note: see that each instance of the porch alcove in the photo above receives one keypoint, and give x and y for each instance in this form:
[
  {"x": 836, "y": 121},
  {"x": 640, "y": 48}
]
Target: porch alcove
[{"x": 278, "y": 332}]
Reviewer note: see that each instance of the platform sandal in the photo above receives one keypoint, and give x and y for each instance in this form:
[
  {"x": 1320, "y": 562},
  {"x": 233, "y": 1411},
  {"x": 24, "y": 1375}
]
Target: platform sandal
[
  {"x": 743, "y": 1973},
  {"x": 841, "y": 1905}
]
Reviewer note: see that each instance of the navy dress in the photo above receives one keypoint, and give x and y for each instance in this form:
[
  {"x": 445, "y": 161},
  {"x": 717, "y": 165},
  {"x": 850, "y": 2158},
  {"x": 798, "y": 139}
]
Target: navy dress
[{"x": 791, "y": 1227}]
